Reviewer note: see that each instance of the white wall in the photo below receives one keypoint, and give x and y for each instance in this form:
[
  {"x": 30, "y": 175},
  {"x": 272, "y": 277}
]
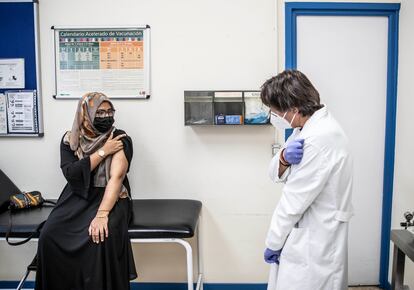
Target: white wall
[{"x": 195, "y": 45}]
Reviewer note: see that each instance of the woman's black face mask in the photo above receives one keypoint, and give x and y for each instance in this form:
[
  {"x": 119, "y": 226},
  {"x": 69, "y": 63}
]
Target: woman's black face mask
[{"x": 103, "y": 124}]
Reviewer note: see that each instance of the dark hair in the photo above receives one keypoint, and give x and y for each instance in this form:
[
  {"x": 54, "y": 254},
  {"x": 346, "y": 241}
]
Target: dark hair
[{"x": 290, "y": 89}]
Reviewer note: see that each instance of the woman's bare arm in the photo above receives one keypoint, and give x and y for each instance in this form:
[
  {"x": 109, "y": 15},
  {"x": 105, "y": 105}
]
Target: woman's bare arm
[{"x": 119, "y": 168}]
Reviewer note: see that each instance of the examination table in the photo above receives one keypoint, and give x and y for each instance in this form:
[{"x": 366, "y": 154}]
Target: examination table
[{"x": 154, "y": 221}]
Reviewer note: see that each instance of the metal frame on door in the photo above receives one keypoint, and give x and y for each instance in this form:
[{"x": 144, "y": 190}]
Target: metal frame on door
[{"x": 390, "y": 10}]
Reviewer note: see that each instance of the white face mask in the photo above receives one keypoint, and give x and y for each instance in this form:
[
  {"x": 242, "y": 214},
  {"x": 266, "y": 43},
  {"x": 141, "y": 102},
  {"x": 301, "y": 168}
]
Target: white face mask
[{"x": 280, "y": 122}]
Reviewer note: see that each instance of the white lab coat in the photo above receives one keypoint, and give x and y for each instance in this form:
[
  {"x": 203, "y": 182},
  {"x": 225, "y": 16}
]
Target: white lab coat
[{"x": 310, "y": 221}]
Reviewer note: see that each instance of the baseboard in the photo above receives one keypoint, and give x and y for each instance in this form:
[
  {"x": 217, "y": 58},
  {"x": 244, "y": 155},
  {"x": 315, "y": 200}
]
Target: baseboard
[
  {"x": 206, "y": 286},
  {"x": 158, "y": 286},
  {"x": 167, "y": 286}
]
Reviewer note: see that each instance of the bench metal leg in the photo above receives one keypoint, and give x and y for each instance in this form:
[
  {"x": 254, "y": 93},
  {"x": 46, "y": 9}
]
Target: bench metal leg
[
  {"x": 21, "y": 283},
  {"x": 20, "y": 286},
  {"x": 199, "y": 258},
  {"x": 189, "y": 257},
  {"x": 189, "y": 252}
]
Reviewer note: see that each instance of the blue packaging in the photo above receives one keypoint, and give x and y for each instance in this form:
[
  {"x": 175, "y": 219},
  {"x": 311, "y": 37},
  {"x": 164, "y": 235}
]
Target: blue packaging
[{"x": 234, "y": 120}]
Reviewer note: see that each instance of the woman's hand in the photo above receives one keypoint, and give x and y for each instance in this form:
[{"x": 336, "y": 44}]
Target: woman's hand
[
  {"x": 98, "y": 229},
  {"x": 113, "y": 145}
]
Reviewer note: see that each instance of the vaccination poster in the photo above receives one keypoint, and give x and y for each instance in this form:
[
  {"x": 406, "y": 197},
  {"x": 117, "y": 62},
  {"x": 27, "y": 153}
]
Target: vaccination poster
[{"x": 113, "y": 62}]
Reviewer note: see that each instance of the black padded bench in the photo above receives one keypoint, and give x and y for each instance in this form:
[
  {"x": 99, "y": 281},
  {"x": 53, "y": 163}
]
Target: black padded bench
[{"x": 154, "y": 221}]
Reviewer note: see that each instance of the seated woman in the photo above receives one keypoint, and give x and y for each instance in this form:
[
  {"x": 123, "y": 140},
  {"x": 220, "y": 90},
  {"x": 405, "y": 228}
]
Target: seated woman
[{"x": 84, "y": 244}]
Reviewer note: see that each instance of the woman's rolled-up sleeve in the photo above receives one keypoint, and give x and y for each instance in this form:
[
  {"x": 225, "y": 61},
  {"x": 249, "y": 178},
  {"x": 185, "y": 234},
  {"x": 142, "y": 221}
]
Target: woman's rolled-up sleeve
[{"x": 127, "y": 142}]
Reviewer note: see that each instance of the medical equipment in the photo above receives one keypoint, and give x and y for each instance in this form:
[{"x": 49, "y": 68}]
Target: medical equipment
[
  {"x": 255, "y": 112},
  {"x": 228, "y": 119},
  {"x": 271, "y": 256},
  {"x": 230, "y": 105},
  {"x": 220, "y": 119},
  {"x": 234, "y": 119},
  {"x": 294, "y": 151},
  {"x": 408, "y": 220}
]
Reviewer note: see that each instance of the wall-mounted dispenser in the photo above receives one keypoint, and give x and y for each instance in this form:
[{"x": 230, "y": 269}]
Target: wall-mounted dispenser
[
  {"x": 199, "y": 108},
  {"x": 224, "y": 108},
  {"x": 228, "y": 108}
]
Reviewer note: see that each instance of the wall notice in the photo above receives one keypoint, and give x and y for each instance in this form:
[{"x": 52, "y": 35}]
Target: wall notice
[{"x": 112, "y": 61}]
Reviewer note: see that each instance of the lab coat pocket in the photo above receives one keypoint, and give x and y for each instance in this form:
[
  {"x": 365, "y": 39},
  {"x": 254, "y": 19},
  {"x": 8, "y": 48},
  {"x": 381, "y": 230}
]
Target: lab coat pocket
[
  {"x": 271, "y": 285},
  {"x": 294, "y": 261},
  {"x": 296, "y": 249}
]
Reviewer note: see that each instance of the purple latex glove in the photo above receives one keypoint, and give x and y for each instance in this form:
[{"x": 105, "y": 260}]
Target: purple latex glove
[
  {"x": 293, "y": 152},
  {"x": 271, "y": 256}
]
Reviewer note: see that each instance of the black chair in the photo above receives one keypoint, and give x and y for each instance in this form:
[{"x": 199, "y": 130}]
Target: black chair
[{"x": 7, "y": 188}]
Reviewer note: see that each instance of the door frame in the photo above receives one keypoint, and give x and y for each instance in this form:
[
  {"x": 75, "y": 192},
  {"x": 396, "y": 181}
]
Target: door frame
[{"x": 390, "y": 10}]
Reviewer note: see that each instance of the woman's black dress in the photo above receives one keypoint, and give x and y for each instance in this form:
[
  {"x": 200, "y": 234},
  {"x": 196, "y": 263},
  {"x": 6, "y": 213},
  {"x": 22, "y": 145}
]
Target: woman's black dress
[{"x": 67, "y": 257}]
